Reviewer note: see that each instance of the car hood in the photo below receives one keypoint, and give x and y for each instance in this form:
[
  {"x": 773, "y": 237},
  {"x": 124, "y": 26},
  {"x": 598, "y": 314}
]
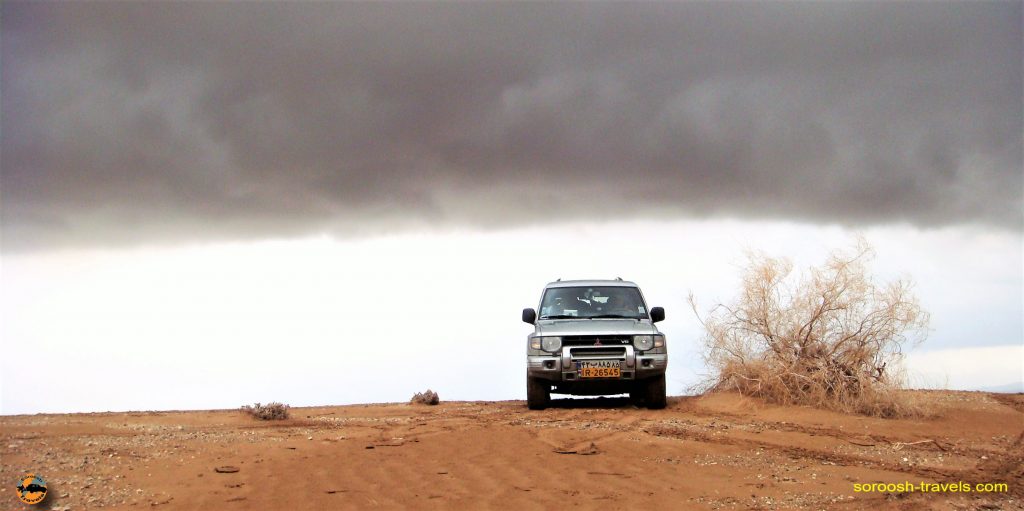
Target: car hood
[{"x": 595, "y": 327}]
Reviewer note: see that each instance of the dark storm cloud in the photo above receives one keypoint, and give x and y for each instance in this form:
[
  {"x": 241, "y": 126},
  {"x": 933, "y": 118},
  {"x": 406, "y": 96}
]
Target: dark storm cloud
[{"x": 143, "y": 122}]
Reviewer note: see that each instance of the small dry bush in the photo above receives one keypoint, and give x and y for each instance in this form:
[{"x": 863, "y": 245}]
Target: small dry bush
[
  {"x": 425, "y": 398},
  {"x": 270, "y": 411},
  {"x": 830, "y": 338}
]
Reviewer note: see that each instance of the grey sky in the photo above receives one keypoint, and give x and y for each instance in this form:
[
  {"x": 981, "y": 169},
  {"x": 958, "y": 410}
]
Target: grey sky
[{"x": 126, "y": 123}]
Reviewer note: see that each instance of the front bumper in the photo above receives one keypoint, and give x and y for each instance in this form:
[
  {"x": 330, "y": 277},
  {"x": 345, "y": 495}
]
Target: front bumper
[{"x": 564, "y": 366}]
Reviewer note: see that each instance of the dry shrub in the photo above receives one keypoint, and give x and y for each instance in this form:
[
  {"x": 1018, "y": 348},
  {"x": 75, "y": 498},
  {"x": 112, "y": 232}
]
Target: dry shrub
[
  {"x": 270, "y": 411},
  {"x": 425, "y": 398},
  {"x": 830, "y": 337}
]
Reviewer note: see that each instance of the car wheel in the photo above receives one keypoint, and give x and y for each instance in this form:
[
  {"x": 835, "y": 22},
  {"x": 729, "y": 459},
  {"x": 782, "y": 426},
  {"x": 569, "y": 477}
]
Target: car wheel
[
  {"x": 655, "y": 393},
  {"x": 636, "y": 396},
  {"x": 538, "y": 393}
]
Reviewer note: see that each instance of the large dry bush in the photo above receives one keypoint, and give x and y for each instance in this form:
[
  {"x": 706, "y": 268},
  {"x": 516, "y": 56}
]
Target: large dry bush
[{"x": 830, "y": 337}]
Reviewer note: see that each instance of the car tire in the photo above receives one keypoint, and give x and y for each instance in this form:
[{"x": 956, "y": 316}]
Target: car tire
[
  {"x": 654, "y": 394},
  {"x": 636, "y": 395},
  {"x": 538, "y": 393}
]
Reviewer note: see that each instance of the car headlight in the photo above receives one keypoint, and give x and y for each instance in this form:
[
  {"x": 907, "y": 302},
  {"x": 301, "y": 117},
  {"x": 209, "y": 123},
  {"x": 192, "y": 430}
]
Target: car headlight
[
  {"x": 551, "y": 344},
  {"x": 643, "y": 342}
]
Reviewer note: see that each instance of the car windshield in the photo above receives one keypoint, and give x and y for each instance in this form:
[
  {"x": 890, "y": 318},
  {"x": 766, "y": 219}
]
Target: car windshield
[{"x": 592, "y": 302}]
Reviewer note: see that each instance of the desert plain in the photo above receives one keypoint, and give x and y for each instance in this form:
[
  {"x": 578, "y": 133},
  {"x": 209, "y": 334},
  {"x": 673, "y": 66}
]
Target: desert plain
[{"x": 718, "y": 451}]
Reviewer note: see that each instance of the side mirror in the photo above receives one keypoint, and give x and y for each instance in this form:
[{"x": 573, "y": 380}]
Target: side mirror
[
  {"x": 529, "y": 316},
  {"x": 657, "y": 314}
]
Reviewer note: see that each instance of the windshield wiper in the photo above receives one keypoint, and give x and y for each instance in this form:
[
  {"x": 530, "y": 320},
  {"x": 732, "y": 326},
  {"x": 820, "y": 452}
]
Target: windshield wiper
[
  {"x": 559, "y": 316},
  {"x": 619, "y": 316}
]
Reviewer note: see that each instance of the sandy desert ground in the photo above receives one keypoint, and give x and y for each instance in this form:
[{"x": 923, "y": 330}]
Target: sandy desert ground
[{"x": 714, "y": 452}]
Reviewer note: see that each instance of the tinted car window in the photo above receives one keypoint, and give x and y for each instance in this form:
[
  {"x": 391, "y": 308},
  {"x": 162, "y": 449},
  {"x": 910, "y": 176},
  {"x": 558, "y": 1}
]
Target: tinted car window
[{"x": 590, "y": 302}]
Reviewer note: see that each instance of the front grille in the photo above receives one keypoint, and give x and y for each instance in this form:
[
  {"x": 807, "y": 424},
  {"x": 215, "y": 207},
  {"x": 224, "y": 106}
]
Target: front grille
[
  {"x": 600, "y": 340},
  {"x": 597, "y": 352}
]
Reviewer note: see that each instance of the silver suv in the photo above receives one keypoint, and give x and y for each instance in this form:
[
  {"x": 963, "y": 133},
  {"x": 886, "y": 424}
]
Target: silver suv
[{"x": 595, "y": 337}]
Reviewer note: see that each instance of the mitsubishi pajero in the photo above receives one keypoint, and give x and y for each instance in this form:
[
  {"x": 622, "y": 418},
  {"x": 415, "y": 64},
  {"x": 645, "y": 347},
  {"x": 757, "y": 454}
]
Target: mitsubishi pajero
[{"x": 594, "y": 337}]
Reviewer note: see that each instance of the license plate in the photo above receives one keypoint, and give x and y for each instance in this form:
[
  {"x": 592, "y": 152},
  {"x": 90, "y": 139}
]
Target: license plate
[
  {"x": 600, "y": 372},
  {"x": 600, "y": 369}
]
